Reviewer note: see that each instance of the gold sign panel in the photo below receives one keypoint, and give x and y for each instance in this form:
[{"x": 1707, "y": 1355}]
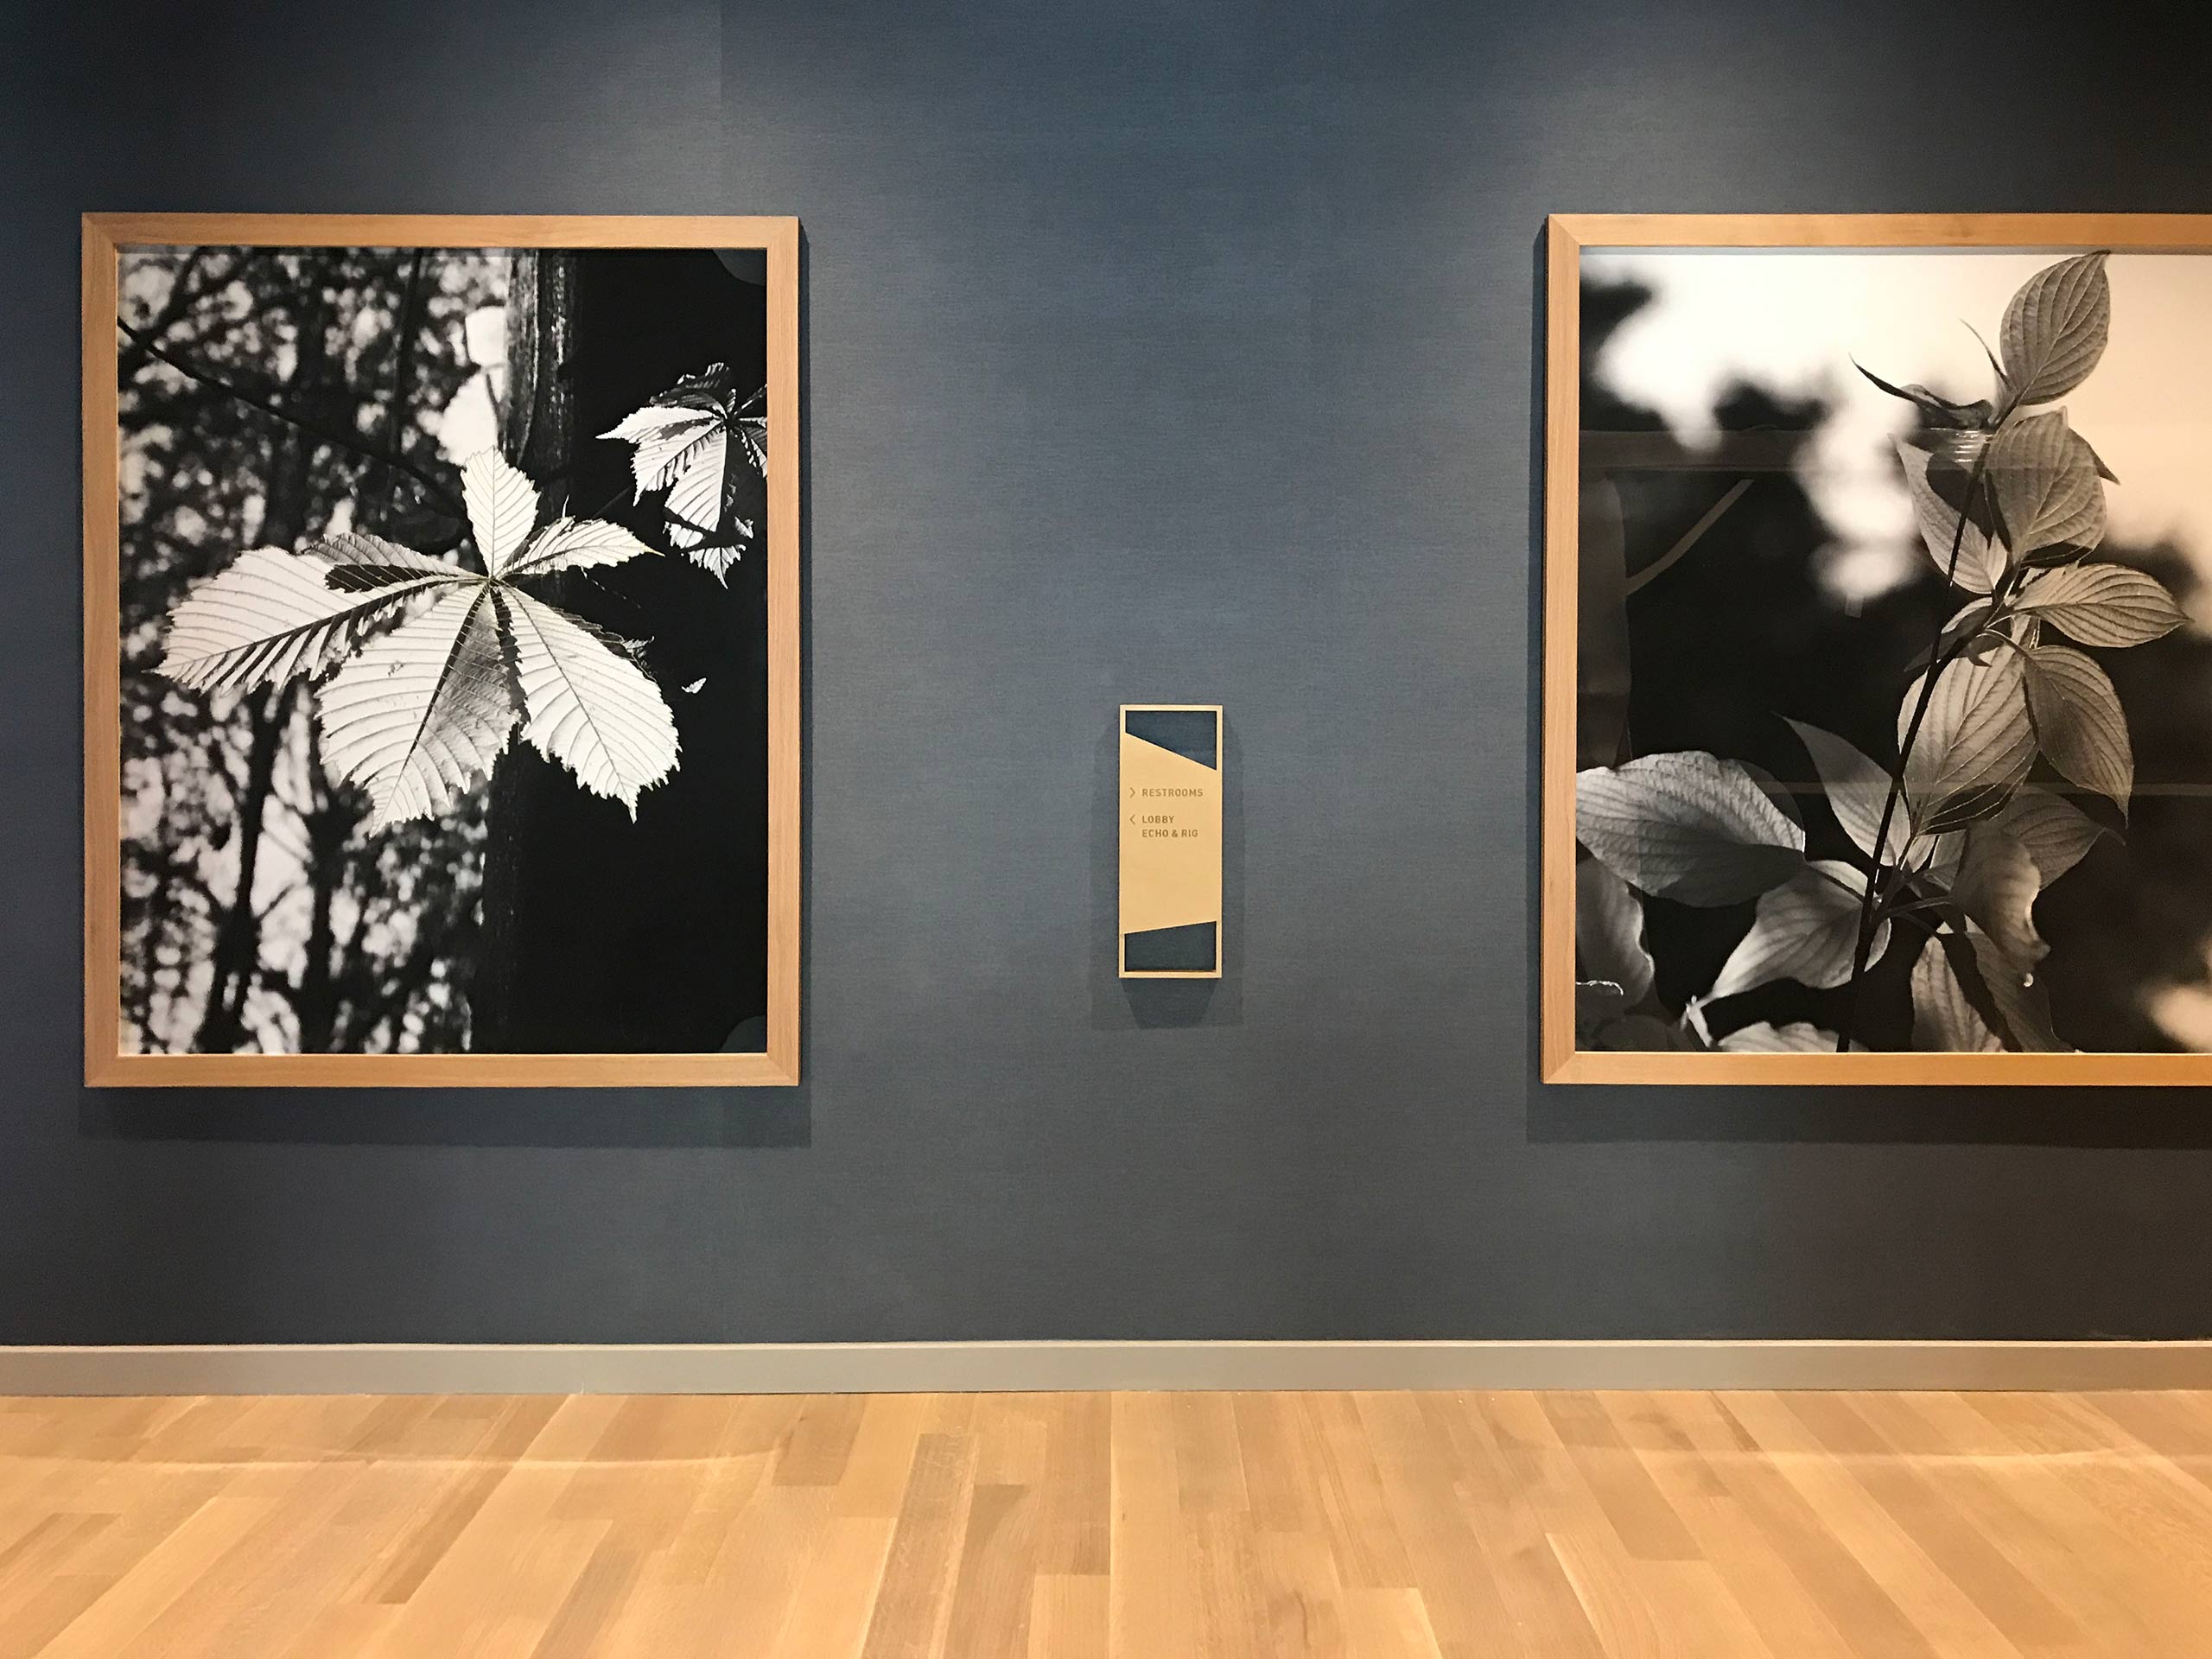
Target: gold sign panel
[{"x": 1171, "y": 841}]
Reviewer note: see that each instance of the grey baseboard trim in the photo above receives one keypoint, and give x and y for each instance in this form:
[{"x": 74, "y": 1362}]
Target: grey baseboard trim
[{"x": 987, "y": 1367}]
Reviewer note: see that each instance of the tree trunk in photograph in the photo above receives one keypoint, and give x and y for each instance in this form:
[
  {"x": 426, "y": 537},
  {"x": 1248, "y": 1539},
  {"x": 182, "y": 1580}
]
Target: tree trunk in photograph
[
  {"x": 603, "y": 934},
  {"x": 236, "y": 957},
  {"x": 238, "y": 939},
  {"x": 329, "y": 826},
  {"x": 537, "y": 433}
]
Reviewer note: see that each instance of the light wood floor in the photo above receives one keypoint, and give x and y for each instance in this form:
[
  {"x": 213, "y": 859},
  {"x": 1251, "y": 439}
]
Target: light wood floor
[{"x": 1137, "y": 1526}]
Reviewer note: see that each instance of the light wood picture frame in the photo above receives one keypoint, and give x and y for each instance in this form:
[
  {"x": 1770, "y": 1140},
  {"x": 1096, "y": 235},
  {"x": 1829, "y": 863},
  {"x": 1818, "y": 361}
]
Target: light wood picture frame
[
  {"x": 1618, "y": 248},
  {"x": 613, "y": 764}
]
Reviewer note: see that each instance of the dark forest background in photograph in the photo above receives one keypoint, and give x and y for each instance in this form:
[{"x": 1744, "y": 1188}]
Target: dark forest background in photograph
[
  {"x": 1808, "y": 476},
  {"x": 443, "y": 650}
]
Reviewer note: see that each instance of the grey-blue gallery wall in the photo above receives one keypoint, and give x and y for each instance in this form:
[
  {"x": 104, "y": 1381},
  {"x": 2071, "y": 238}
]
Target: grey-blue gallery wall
[{"x": 1153, "y": 353}]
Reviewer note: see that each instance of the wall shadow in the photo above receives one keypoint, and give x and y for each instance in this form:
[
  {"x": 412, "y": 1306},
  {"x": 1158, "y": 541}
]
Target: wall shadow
[
  {"x": 441, "y": 1117},
  {"x": 2125, "y": 1119}
]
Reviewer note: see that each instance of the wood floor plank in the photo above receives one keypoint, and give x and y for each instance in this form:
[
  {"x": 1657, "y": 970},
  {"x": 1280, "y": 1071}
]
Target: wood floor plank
[
  {"x": 2064, "y": 1545},
  {"x": 1959, "y": 1551},
  {"x": 757, "y": 1578},
  {"x": 2164, "y": 1512},
  {"x": 1208, "y": 1465},
  {"x": 1388, "y": 1624},
  {"x": 1152, "y": 1599},
  {"x": 1071, "y": 1617},
  {"x": 44, "y": 1613},
  {"x": 1685, "y": 1444},
  {"x": 1231, "y": 1618},
  {"x": 829, "y": 1613},
  {"x": 1645, "y": 1522},
  {"x": 1485, "y": 1571},
  {"x": 1824, "y": 1470},
  {"x": 722, "y": 1489},
  {"x": 1695, "y": 1614},
  {"x": 915, "y": 1598},
  {"x": 882, "y": 1457},
  {"x": 821, "y": 1441},
  {"x": 1278, "y": 1479},
  {"x": 590, "y": 1605},
  {"x": 1829, "y": 1572},
  {"x": 1356, "y": 1509},
  {"x": 1507, "y": 1472},
  {"x": 1075, "y": 1513},
  {"x": 1012, "y": 1439},
  {"x": 1299, "y": 1603},
  {"x": 1323, "y": 1526},
  {"x": 997, "y": 1581},
  {"x": 141, "y": 1595}
]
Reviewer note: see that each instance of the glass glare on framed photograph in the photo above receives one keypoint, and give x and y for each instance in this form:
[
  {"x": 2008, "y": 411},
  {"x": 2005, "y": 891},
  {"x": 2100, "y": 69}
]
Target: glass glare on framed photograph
[
  {"x": 1892, "y": 692},
  {"x": 443, "y": 595}
]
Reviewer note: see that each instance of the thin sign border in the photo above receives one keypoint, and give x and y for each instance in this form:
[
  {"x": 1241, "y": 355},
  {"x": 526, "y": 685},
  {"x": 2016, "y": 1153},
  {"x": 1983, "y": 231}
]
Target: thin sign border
[
  {"x": 105, "y": 1065},
  {"x": 1568, "y": 235},
  {"x": 1221, "y": 923}
]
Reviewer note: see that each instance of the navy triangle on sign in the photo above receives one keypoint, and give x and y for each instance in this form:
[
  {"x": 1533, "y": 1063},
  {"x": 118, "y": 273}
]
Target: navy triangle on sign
[{"x": 1194, "y": 734}]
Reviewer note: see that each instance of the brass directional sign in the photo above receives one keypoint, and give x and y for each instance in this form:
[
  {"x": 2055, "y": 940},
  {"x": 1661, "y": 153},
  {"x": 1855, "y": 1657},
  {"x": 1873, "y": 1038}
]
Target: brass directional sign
[{"x": 1171, "y": 841}]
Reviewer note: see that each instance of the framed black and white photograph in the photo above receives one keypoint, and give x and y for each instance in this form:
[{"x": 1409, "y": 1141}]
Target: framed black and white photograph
[
  {"x": 1878, "y": 684},
  {"x": 441, "y": 650}
]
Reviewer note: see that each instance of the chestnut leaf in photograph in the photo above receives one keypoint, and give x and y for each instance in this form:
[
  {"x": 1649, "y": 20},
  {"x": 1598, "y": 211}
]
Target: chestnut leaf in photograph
[
  {"x": 437, "y": 665},
  {"x": 696, "y": 440}
]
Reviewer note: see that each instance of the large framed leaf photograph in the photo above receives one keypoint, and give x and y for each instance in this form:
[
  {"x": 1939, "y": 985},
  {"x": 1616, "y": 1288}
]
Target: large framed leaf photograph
[
  {"x": 441, "y": 650},
  {"x": 1878, "y": 687}
]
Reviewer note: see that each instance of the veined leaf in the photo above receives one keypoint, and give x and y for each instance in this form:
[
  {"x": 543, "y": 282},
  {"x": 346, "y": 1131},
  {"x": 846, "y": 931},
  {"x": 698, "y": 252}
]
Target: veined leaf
[
  {"x": 1942, "y": 852},
  {"x": 2079, "y": 722},
  {"x": 1971, "y": 618},
  {"x": 695, "y": 441},
  {"x": 1857, "y": 790},
  {"x": 750, "y": 427},
  {"x": 1688, "y": 826},
  {"x": 2003, "y": 385},
  {"x": 1981, "y": 562},
  {"x": 439, "y": 663},
  {"x": 2056, "y": 832},
  {"x": 2044, "y": 481},
  {"x": 697, "y": 481},
  {"x": 2019, "y": 997},
  {"x": 1997, "y": 881},
  {"x": 2103, "y": 605},
  {"x": 360, "y": 562},
  {"x": 1608, "y": 931},
  {"x": 1969, "y": 622},
  {"x": 1940, "y": 411},
  {"x": 1944, "y": 1019},
  {"x": 419, "y": 715},
  {"x": 715, "y": 559},
  {"x": 572, "y": 545},
  {"x": 1766, "y": 1038},
  {"x": 587, "y": 705},
  {"x": 1974, "y": 744},
  {"x": 2054, "y": 327},
  {"x": 1806, "y": 930},
  {"x": 662, "y": 434},
  {"x": 273, "y": 614},
  {"x": 502, "y": 506}
]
